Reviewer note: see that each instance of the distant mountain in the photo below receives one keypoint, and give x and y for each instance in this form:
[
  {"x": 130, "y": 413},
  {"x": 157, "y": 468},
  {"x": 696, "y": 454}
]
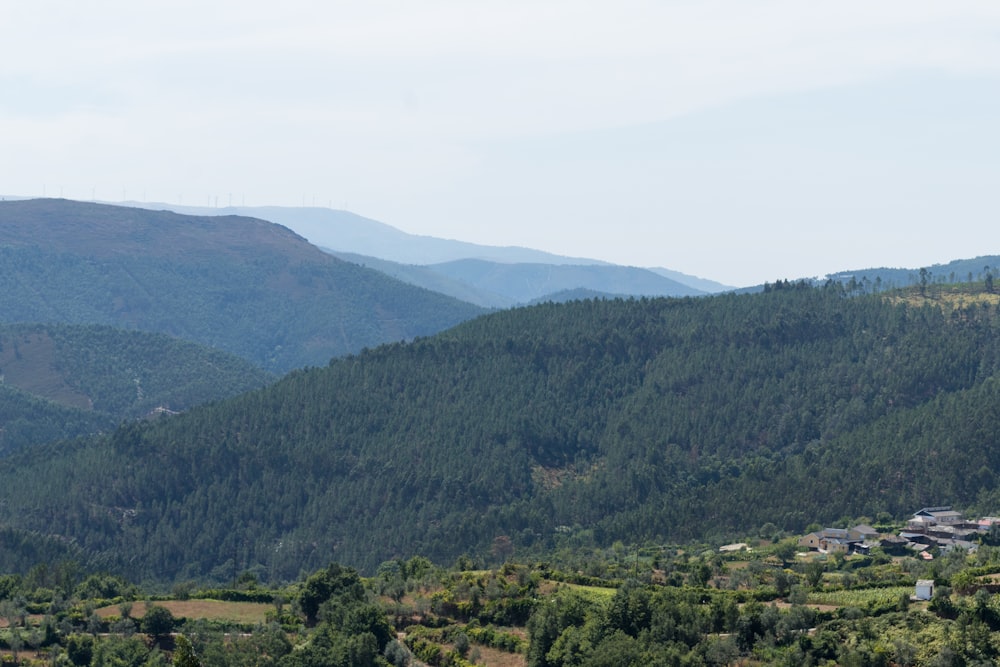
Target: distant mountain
[
  {"x": 701, "y": 284},
  {"x": 429, "y": 278},
  {"x": 501, "y": 285},
  {"x": 959, "y": 270},
  {"x": 553, "y": 426},
  {"x": 248, "y": 286},
  {"x": 348, "y": 232},
  {"x": 343, "y": 233},
  {"x": 576, "y": 294},
  {"x": 62, "y": 381},
  {"x": 527, "y": 282}
]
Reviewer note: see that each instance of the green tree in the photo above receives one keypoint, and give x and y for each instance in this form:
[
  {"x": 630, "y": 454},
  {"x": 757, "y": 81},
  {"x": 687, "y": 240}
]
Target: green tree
[
  {"x": 814, "y": 573},
  {"x": 334, "y": 581},
  {"x": 184, "y": 655},
  {"x": 80, "y": 649},
  {"x": 548, "y": 622},
  {"x": 462, "y": 644},
  {"x": 158, "y": 622},
  {"x": 785, "y": 551}
]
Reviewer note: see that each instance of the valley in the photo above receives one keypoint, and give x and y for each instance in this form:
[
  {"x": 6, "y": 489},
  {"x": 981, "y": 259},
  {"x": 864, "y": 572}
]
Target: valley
[{"x": 581, "y": 481}]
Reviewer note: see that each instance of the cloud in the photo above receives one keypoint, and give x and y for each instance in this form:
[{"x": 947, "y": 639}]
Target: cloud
[
  {"x": 492, "y": 121},
  {"x": 491, "y": 67}
]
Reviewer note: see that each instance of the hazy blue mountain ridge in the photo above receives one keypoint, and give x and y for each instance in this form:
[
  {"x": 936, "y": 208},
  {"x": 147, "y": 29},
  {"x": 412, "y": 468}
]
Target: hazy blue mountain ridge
[
  {"x": 350, "y": 232},
  {"x": 345, "y": 233},
  {"x": 528, "y": 282},
  {"x": 429, "y": 278},
  {"x": 245, "y": 285}
]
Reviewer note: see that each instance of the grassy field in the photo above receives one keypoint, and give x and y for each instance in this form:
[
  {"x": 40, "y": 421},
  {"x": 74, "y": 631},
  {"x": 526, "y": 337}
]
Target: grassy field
[
  {"x": 491, "y": 657},
  {"x": 212, "y": 610},
  {"x": 949, "y": 297},
  {"x": 861, "y": 598},
  {"x": 595, "y": 593}
]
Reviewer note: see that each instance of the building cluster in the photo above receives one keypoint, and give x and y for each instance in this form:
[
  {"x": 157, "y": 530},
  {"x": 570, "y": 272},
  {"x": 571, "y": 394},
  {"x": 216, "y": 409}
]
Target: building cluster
[{"x": 930, "y": 529}]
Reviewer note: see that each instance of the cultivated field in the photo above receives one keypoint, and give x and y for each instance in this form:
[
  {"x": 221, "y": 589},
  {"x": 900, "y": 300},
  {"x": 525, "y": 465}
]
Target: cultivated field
[{"x": 211, "y": 610}]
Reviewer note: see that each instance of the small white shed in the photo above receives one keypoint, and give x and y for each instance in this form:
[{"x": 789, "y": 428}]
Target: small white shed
[{"x": 925, "y": 589}]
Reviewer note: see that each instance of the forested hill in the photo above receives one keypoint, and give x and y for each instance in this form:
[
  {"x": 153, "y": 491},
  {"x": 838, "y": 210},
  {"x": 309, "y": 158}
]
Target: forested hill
[
  {"x": 60, "y": 381},
  {"x": 250, "y": 287},
  {"x": 579, "y": 423}
]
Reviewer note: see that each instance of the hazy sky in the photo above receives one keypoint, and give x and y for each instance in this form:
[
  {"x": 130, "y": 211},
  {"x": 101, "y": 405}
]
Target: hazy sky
[{"x": 738, "y": 141}]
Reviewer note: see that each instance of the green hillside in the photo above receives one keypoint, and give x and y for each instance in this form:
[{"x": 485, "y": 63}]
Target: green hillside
[
  {"x": 247, "y": 286},
  {"x": 61, "y": 381},
  {"x": 582, "y": 423},
  {"x": 26, "y": 420}
]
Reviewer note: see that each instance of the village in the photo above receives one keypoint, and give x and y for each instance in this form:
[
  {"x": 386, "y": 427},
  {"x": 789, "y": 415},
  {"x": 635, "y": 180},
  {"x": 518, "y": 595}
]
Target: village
[
  {"x": 930, "y": 530},
  {"x": 929, "y": 533}
]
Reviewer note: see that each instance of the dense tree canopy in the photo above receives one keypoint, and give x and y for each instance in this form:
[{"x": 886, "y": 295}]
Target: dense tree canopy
[
  {"x": 590, "y": 421},
  {"x": 59, "y": 381}
]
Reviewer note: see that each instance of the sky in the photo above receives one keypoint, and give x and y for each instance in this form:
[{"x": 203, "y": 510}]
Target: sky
[{"x": 736, "y": 141}]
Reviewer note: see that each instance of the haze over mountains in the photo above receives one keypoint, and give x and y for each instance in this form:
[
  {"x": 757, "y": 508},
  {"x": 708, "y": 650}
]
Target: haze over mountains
[
  {"x": 251, "y": 287},
  {"x": 350, "y": 232},
  {"x": 489, "y": 276},
  {"x": 499, "y": 277}
]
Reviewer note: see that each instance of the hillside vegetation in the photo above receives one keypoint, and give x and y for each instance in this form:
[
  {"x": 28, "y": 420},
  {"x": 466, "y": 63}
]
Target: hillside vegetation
[
  {"x": 692, "y": 607},
  {"x": 247, "y": 286},
  {"x": 579, "y": 423},
  {"x": 61, "y": 381}
]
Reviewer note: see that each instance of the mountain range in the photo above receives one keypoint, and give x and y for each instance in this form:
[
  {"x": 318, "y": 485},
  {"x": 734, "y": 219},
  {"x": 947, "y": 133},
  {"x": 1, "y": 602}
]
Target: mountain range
[
  {"x": 490, "y": 276},
  {"x": 244, "y": 285},
  {"x": 409, "y": 422},
  {"x": 500, "y": 277}
]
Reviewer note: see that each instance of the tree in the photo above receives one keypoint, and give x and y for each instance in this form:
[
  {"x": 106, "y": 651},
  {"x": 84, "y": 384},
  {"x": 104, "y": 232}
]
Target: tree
[
  {"x": 396, "y": 654},
  {"x": 184, "y": 655},
  {"x": 548, "y": 622},
  {"x": 503, "y": 547},
  {"x": 785, "y": 551},
  {"x": 814, "y": 573},
  {"x": 158, "y": 622},
  {"x": 15, "y": 642},
  {"x": 783, "y": 580},
  {"x": 80, "y": 648},
  {"x": 35, "y": 638},
  {"x": 721, "y": 651},
  {"x": 462, "y": 644},
  {"x": 335, "y": 580}
]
